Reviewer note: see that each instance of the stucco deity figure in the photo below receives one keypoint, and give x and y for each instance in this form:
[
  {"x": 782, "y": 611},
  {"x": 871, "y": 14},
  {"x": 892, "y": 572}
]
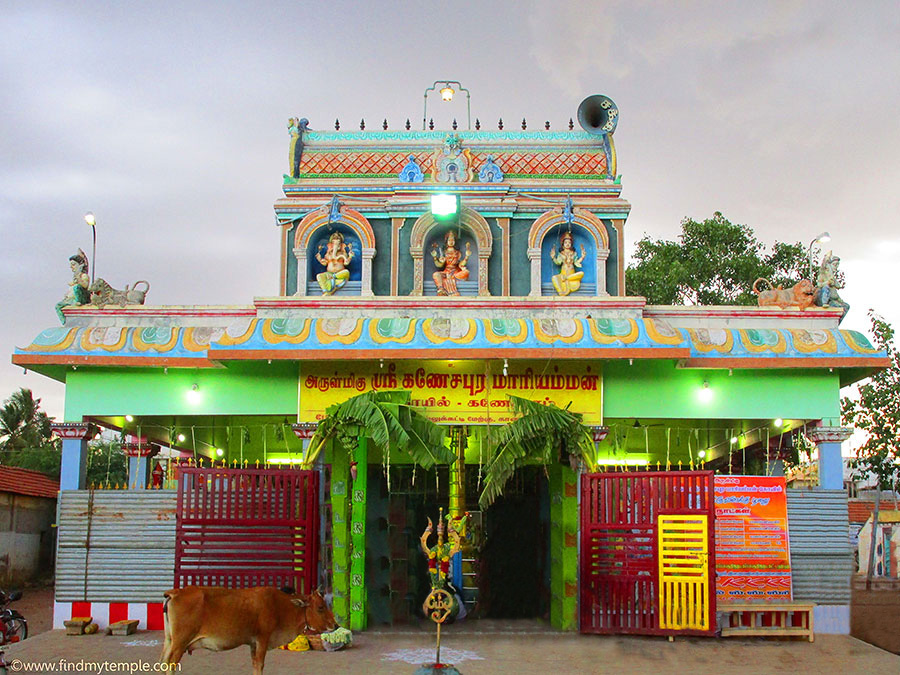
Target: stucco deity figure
[
  {"x": 451, "y": 265},
  {"x": 336, "y": 260},
  {"x": 78, "y": 288},
  {"x": 296, "y": 127},
  {"x": 828, "y": 282},
  {"x": 568, "y": 280}
]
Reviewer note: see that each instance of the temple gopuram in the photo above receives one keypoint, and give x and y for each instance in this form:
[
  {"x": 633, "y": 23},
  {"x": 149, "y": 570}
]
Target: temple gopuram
[{"x": 469, "y": 268}]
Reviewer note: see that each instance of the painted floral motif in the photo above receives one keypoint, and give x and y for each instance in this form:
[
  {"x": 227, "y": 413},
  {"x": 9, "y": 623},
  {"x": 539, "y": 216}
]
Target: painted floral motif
[
  {"x": 709, "y": 340},
  {"x": 552, "y": 330},
  {"x": 294, "y": 331},
  {"x": 457, "y": 330},
  {"x": 53, "y": 339},
  {"x": 607, "y": 331},
  {"x": 345, "y": 331},
  {"x": 107, "y": 338},
  {"x": 199, "y": 338},
  {"x": 398, "y": 329},
  {"x": 858, "y": 342},
  {"x": 662, "y": 332},
  {"x": 809, "y": 341},
  {"x": 238, "y": 332},
  {"x": 156, "y": 338},
  {"x": 505, "y": 330},
  {"x": 759, "y": 340}
]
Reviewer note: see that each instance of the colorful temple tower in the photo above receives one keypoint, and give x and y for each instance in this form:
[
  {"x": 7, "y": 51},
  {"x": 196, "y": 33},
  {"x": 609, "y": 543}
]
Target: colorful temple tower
[{"x": 463, "y": 267}]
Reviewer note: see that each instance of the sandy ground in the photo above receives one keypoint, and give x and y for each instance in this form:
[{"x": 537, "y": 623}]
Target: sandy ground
[{"x": 473, "y": 653}]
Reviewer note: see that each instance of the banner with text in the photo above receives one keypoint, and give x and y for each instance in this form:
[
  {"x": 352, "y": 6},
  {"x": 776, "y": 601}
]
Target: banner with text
[
  {"x": 753, "y": 559},
  {"x": 456, "y": 392}
]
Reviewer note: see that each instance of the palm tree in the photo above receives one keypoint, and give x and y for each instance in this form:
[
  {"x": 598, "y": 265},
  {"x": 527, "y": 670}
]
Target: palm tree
[
  {"x": 387, "y": 418},
  {"x": 22, "y": 423},
  {"x": 542, "y": 434}
]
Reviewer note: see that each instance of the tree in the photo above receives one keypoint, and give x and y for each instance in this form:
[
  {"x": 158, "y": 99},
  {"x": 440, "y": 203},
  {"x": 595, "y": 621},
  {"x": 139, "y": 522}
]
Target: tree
[
  {"x": 26, "y": 439},
  {"x": 877, "y": 412},
  {"x": 389, "y": 420},
  {"x": 106, "y": 463},
  {"x": 541, "y": 434},
  {"x": 713, "y": 262}
]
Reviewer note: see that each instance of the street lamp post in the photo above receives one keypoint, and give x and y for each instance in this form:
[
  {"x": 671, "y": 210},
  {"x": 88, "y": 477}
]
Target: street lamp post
[
  {"x": 447, "y": 92},
  {"x": 90, "y": 220},
  {"x": 821, "y": 238}
]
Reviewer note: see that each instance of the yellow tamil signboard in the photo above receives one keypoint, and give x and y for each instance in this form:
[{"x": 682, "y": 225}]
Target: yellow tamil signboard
[{"x": 457, "y": 392}]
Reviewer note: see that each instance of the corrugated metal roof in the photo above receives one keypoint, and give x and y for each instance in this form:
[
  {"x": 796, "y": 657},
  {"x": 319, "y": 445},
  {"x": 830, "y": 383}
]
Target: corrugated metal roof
[
  {"x": 131, "y": 552},
  {"x": 27, "y": 482},
  {"x": 821, "y": 559}
]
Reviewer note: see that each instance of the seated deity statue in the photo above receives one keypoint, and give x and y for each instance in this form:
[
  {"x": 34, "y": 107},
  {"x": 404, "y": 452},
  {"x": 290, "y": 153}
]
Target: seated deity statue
[
  {"x": 78, "y": 288},
  {"x": 828, "y": 282},
  {"x": 336, "y": 260},
  {"x": 451, "y": 265},
  {"x": 568, "y": 280}
]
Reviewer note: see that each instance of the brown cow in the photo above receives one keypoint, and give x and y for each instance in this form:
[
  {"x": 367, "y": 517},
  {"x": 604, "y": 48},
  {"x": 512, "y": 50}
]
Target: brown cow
[{"x": 224, "y": 618}]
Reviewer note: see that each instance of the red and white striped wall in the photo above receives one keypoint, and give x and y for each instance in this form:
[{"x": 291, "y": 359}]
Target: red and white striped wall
[{"x": 148, "y": 614}]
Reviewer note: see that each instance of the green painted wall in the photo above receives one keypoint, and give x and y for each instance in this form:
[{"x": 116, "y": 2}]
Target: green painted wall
[
  {"x": 563, "y": 547},
  {"x": 381, "y": 263},
  {"x": 659, "y": 389},
  {"x": 240, "y": 389}
]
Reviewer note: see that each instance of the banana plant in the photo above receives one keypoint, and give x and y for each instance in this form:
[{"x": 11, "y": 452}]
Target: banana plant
[
  {"x": 540, "y": 435},
  {"x": 389, "y": 420}
]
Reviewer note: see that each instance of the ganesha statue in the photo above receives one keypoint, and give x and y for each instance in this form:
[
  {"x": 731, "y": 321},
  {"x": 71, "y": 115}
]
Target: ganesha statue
[{"x": 336, "y": 259}]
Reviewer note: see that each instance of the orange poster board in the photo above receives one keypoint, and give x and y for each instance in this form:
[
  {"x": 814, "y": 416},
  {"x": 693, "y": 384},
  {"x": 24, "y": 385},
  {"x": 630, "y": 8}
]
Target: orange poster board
[{"x": 753, "y": 559}]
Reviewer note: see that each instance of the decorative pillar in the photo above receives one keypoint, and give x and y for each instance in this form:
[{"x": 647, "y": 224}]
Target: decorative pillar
[
  {"x": 358, "y": 480},
  {"x": 75, "y": 436},
  {"x": 457, "y": 490},
  {"x": 602, "y": 256},
  {"x": 534, "y": 255},
  {"x": 831, "y": 466},
  {"x": 340, "y": 531},
  {"x": 483, "y": 272},
  {"x": 396, "y": 226},
  {"x": 139, "y": 454},
  {"x": 366, "y": 272},
  {"x": 300, "y": 255},
  {"x": 418, "y": 270},
  {"x": 503, "y": 224},
  {"x": 619, "y": 225},
  {"x": 563, "y": 548}
]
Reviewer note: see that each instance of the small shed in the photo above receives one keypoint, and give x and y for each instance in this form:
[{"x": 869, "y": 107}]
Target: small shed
[{"x": 27, "y": 513}]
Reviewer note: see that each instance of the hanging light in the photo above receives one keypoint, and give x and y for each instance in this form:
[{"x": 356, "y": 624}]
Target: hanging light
[
  {"x": 129, "y": 418},
  {"x": 705, "y": 394},
  {"x": 447, "y": 92},
  {"x": 182, "y": 438},
  {"x": 701, "y": 454},
  {"x": 219, "y": 452},
  {"x": 779, "y": 422},
  {"x": 193, "y": 394}
]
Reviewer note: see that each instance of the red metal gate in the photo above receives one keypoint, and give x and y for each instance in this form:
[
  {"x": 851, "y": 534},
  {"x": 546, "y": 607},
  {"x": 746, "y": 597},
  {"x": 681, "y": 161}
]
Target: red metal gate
[
  {"x": 247, "y": 527},
  {"x": 620, "y": 565}
]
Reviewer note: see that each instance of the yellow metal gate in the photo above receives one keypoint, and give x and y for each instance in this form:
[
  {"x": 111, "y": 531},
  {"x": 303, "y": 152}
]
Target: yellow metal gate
[{"x": 683, "y": 545}]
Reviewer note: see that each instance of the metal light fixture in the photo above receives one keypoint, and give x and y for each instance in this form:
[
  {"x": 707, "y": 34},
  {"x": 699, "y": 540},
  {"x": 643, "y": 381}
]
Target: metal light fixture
[
  {"x": 443, "y": 204},
  {"x": 822, "y": 238},
  {"x": 92, "y": 221},
  {"x": 447, "y": 91}
]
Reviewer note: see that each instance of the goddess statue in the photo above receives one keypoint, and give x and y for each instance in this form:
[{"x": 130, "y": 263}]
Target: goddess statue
[
  {"x": 450, "y": 267},
  {"x": 568, "y": 280},
  {"x": 78, "y": 288},
  {"x": 828, "y": 281},
  {"x": 336, "y": 259}
]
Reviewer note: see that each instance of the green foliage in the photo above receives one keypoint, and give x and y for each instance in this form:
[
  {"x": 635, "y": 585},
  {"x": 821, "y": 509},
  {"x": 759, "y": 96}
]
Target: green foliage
[
  {"x": 388, "y": 419},
  {"x": 877, "y": 412},
  {"x": 542, "y": 434},
  {"x": 25, "y": 435},
  {"x": 713, "y": 262},
  {"x": 107, "y": 464}
]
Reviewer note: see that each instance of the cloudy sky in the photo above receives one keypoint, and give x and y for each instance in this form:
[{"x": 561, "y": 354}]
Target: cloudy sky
[{"x": 167, "y": 120}]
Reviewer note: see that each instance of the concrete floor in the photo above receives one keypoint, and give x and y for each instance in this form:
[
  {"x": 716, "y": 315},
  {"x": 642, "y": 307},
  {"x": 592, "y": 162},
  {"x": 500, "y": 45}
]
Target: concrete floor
[{"x": 507, "y": 651}]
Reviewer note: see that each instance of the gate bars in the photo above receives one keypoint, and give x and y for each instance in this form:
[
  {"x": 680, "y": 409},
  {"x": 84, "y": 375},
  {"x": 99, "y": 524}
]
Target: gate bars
[
  {"x": 620, "y": 557},
  {"x": 247, "y": 527}
]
